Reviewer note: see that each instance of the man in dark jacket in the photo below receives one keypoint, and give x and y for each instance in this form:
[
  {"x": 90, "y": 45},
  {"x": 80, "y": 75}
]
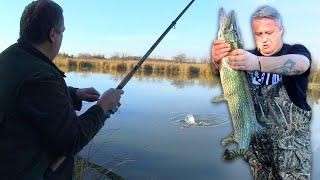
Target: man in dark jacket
[{"x": 38, "y": 122}]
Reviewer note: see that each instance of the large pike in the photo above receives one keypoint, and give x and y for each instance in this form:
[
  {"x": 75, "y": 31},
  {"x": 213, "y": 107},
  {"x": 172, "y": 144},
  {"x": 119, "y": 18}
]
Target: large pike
[{"x": 236, "y": 92}]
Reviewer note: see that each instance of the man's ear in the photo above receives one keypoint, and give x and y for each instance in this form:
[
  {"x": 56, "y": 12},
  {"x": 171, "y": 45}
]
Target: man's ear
[
  {"x": 281, "y": 30},
  {"x": 51, "y": 35}
]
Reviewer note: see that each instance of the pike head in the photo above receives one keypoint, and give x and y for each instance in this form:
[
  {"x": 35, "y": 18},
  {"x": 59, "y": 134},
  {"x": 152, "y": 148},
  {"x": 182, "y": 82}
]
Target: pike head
[{"x": 228, "y": 30}]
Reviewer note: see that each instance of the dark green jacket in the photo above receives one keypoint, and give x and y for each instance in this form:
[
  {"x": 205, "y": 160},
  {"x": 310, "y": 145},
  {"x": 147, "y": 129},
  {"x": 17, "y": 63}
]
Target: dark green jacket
[{"x": 38, "y": 122}]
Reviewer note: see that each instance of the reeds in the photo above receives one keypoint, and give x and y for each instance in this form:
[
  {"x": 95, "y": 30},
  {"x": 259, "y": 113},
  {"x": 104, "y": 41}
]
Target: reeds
[
  {"x": 171, "y": 70},
  {"x": 315, "y": 77}
]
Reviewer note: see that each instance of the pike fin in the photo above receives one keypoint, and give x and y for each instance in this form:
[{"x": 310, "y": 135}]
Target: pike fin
[
  {"x": 228, "y": 140},
  {"x": 231, "y": 155},
  {"x": 218, "y": 99}
]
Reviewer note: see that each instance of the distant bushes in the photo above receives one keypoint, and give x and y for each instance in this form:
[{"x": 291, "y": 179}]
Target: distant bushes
[
  {"x": 193, "y": 72},
  {"x": 179, "y": 72},
  {"x": 315, "y": 76},
  {"x": 152, "y": 68},
  {"x": 173, "y": 70},
  {"x": 147, "y": 69},
  {"x": 121, "y": 67}
]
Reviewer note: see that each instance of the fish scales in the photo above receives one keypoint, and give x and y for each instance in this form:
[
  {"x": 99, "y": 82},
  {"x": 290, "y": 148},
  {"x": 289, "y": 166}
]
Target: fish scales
[{"x": 236, "y": 88}]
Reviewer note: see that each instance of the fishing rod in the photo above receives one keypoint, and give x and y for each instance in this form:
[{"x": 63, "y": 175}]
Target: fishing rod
[
  {"x": 127, "y": 78},
  {"x": 53, "y": 167},
  {"x": 138, "y": 65}
]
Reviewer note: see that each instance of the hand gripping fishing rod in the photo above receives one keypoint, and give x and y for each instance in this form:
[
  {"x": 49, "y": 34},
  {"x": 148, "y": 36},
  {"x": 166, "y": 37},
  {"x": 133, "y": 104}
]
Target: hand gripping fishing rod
[
  {"x": 127, "y": 78},
  {"x": 53, "y": 167}
]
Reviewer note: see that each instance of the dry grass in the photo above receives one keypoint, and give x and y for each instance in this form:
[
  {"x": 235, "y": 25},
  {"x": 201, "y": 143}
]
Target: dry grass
[
  {"x": 82, "y": 164},
  {"x": 176, "y": 71},
  {"x": 315, "y": 77},
  {"x": 171, "y": 70}
]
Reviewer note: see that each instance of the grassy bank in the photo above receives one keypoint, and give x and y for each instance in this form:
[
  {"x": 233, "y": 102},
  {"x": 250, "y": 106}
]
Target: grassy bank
[
  {"x": 176, "y": 71},
  {"x": 83, "y": 169},
  {"x": 179, "y": 72},
  {"x": 315, "y": 77}
]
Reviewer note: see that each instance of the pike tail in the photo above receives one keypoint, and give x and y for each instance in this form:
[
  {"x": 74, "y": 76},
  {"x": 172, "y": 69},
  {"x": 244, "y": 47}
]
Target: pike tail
[{"x": 230, "y": 155}]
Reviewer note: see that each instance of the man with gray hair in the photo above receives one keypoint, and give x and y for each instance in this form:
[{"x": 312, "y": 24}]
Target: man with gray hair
[{"x": 278, "y": 77}]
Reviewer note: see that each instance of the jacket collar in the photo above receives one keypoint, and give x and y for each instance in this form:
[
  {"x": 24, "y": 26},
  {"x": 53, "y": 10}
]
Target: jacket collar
[{"x": 35, "y": 52}]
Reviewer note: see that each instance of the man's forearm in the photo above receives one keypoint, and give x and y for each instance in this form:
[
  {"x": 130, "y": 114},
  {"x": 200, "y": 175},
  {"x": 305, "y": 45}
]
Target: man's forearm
[
  {"x": 76, "y": 102},
  {"x": 288, "y": 65}
]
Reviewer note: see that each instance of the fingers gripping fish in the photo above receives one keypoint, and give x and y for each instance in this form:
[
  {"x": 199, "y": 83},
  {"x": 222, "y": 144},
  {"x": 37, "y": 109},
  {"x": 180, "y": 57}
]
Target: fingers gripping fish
[{"x": 236, "y": 92}]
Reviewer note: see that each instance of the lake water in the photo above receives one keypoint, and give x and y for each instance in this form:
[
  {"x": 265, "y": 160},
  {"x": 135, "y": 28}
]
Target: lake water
[{"x": 147, "y": 139}]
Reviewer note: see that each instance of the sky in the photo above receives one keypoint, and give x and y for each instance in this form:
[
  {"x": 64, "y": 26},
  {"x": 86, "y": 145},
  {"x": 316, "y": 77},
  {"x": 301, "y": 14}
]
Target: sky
[{"x": 130, "y": 27}]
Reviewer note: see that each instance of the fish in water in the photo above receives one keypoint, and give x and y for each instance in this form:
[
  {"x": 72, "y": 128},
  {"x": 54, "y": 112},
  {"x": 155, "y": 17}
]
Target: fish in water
[{"x": 236, "y": 92}]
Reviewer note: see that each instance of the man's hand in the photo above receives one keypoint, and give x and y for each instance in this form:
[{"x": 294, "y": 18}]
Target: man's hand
[
  {"x": 219, "y": 50},
  {"x": 110, "y": 99},
  {"x": 88, "y": 94},
  {"x": 243, "y": 60}
]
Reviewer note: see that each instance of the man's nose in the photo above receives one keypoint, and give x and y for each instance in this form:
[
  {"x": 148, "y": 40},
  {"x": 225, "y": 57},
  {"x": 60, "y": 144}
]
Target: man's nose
[{"x": 264, "y": 38}]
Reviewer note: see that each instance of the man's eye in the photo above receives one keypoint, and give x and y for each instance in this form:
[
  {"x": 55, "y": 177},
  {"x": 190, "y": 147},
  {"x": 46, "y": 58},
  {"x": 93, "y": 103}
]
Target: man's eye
[{"x": 269, "y": 32}]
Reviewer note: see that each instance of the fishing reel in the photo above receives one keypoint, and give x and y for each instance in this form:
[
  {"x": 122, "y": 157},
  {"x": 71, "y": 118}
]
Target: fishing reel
[{"x": 114, "y": 110}]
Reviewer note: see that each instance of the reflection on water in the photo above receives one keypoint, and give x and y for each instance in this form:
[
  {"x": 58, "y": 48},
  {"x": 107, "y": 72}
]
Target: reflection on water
[
  {"x": 187, "y": 76},
  {"x": 149, "y": 137},
  {"x": 180, "y": 75}
]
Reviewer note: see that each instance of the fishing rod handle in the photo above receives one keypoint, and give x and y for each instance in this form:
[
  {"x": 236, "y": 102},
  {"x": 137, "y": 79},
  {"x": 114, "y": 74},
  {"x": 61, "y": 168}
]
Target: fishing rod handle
[{"x": 114, "y": 110}]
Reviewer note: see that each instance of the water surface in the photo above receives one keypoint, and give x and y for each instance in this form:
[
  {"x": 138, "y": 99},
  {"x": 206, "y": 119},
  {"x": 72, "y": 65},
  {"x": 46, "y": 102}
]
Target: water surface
[{"x": 146, "y": 138}]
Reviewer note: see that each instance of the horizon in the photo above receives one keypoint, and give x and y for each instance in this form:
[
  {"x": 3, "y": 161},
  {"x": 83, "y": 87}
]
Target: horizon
[{"x": 130, "y": 28}]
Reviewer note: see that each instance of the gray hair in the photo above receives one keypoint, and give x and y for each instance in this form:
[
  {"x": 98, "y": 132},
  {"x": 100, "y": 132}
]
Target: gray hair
[{"x": 267, "y": 12}]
